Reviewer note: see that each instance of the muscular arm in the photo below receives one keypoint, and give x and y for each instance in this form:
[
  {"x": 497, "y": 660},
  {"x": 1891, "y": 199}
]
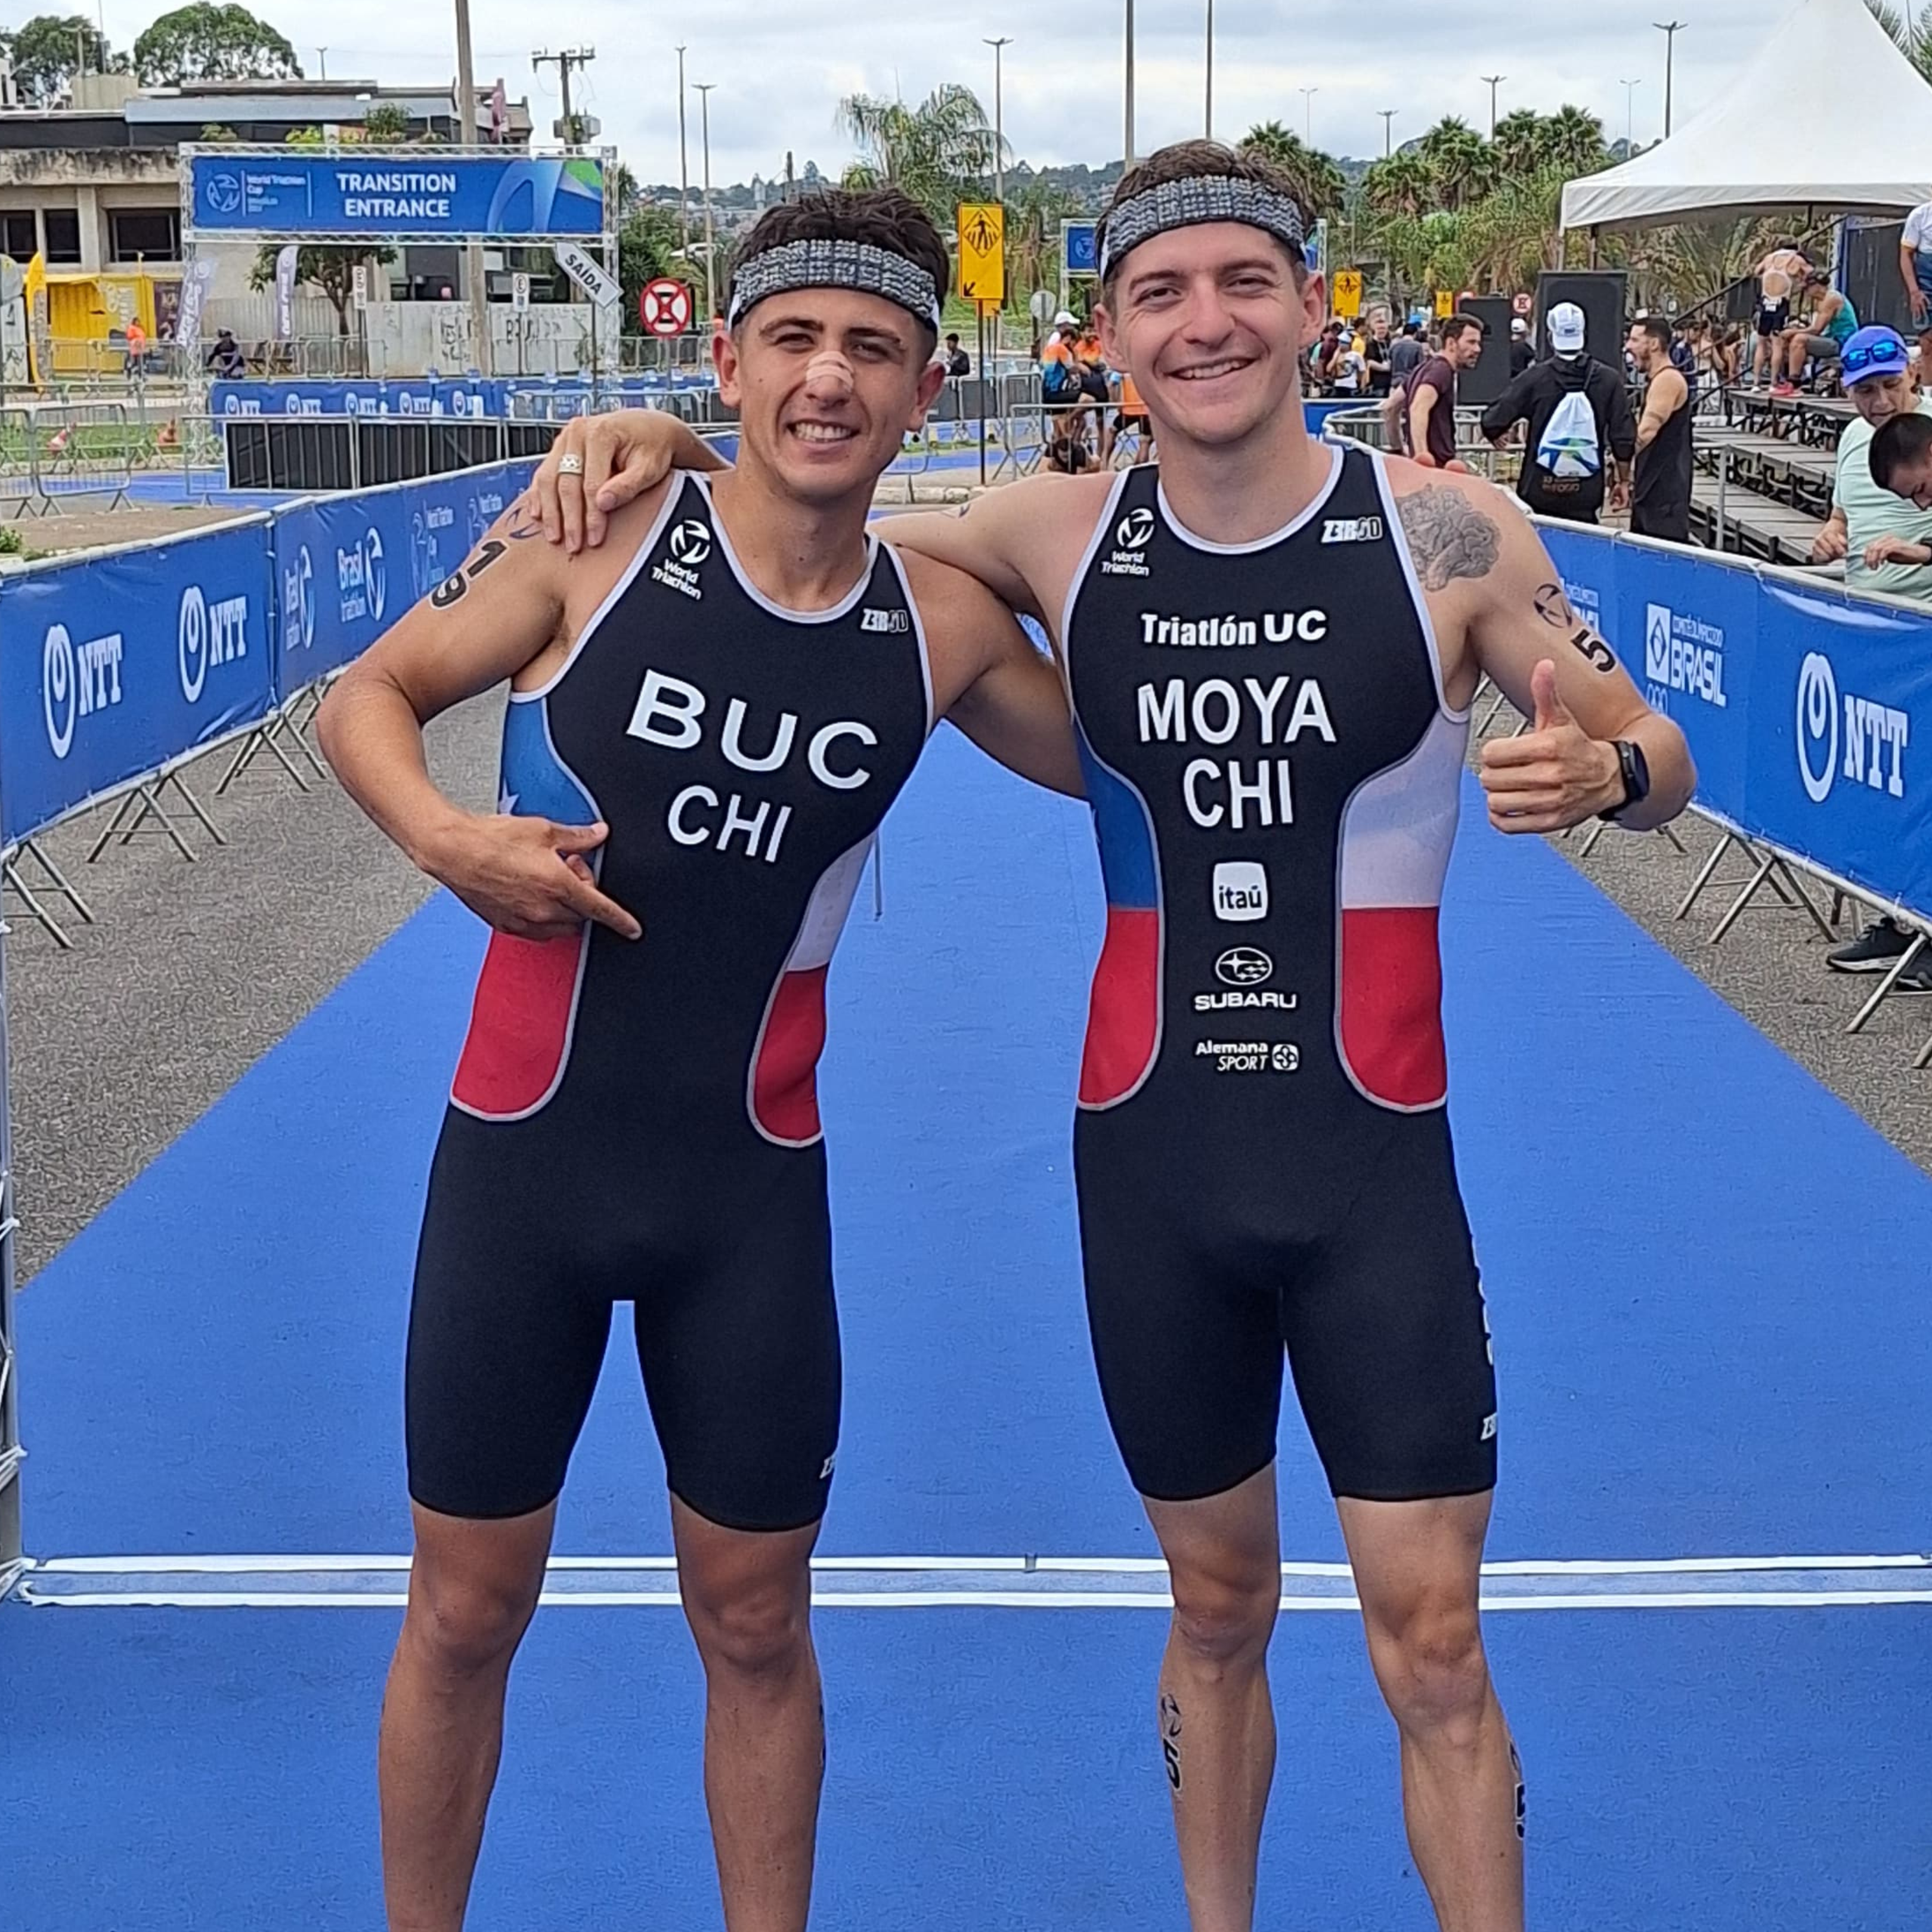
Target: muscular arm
[
  {"x": 1908, "y": 274},
  {"x": 1518, "y": 621},
  {"x": 481, "y": 625},
  {"x": 1013, "y": 706},
  {"x": 1665, "y": 396},
  {"x": 1000, "y": 536}
]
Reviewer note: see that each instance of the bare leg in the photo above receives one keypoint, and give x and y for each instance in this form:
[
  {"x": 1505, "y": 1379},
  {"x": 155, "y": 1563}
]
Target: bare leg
[
  {"x": 472, "y": 1587},
  {"x": 1416, "y": 1569},
  {"x": 1216, "y": 1722},
  {"x": 748, "y": 1596}
]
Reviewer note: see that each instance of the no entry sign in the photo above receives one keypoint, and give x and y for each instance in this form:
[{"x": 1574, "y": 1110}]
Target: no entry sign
[{"x": 663, "y": 307}]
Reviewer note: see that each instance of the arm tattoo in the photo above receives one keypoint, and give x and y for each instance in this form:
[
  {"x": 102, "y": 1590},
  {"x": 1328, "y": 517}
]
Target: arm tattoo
[
  {"x": 453, "y": 586},
  {"x": 1170, "y": 1739},
  {"x": 1448, "y": 536},
  {"x": 1553, "y": 608}
]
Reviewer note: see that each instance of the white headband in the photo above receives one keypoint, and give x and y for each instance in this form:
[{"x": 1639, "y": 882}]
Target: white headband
[{"x": 862, "y": 265}]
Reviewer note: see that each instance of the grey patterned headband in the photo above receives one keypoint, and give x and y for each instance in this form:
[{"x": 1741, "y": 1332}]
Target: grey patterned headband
[
  {"x": 862, "y": 265},
  {"x": 1184, "y": 204}
]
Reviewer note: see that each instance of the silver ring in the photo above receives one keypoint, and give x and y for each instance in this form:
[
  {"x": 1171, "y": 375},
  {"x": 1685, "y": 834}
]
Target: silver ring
[{"x": 569, "y": 465}]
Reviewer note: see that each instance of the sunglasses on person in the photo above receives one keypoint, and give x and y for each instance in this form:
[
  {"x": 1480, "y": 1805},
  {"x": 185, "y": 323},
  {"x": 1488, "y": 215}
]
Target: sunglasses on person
[{"x": 1879, "y": 355}]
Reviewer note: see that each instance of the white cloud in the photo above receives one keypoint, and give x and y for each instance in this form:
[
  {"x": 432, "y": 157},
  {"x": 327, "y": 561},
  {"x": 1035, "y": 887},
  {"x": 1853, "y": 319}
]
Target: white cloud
[{"x": 780, "y": 71}]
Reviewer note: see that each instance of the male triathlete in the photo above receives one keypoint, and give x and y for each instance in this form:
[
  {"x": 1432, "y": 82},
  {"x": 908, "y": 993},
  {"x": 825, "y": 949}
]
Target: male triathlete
[
  {"x": 1271, "y": 645},
  {"x": 706, "y": 723}
]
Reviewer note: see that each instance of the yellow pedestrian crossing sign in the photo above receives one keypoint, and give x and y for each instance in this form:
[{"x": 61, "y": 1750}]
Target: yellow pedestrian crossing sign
[
  {"x": 1349, "y": 292},
  {"x": 1445, "y": 302},
  {"x": 982, "y": 258}
]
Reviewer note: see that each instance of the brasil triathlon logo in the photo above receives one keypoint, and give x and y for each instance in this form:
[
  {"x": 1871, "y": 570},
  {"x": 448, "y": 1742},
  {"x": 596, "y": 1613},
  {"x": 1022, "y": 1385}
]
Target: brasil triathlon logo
[{"x": 375, "y": 572}]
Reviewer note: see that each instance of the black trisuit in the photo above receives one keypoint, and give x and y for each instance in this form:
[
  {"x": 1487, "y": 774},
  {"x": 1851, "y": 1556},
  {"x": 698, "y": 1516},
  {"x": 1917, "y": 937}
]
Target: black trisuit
[
  {"x": 638, "y": 1120},
  {"x": 1262, "y": 1154}
]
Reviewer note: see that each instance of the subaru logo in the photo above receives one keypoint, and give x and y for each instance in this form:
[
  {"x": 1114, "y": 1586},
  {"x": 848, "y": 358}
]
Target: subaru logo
[
  {"x": 60, "y": 691},
  {"x": 691, "y": 543},
  {"x": 1244, "y": 966},
  {"x": 375, "y": 577},
  {"x": 192, "y": 642},
  {"x": 1136, "y": 529}
]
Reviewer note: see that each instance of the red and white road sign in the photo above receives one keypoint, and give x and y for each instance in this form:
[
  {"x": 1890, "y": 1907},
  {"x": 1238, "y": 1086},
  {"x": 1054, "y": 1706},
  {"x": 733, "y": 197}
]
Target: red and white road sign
[{"x": 663, "y": 307}]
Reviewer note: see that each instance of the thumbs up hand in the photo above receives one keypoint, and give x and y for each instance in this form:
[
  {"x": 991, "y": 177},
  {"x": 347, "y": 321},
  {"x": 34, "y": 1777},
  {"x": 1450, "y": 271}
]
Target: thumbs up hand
[{"x": 1554, "y": 775}]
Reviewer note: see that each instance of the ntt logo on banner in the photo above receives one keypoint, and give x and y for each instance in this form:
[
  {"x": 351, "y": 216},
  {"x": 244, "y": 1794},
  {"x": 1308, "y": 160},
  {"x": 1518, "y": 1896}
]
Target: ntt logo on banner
[{"x": 1874, "y": 736}]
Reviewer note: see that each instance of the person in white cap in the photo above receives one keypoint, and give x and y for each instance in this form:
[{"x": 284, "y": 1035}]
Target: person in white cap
[
  {"x": 1578, "y": 416},
  {"x": 1523, "y": 351}
]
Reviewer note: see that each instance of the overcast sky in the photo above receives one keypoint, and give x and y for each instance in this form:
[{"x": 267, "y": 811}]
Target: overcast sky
[{"x": 780, "y": 68}]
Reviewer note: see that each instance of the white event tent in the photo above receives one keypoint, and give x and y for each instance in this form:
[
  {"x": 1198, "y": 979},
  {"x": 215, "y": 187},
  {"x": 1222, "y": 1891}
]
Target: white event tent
[{"x": 1829, "y": 116}]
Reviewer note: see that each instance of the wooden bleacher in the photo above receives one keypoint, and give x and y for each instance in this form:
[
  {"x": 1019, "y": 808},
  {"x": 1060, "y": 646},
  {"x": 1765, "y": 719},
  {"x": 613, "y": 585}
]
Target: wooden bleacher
[{"x": 1776, "y": 494}]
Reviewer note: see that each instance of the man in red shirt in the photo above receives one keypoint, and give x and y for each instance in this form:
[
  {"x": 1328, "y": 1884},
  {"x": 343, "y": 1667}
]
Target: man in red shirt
[{"x": 1429, "y": 408}]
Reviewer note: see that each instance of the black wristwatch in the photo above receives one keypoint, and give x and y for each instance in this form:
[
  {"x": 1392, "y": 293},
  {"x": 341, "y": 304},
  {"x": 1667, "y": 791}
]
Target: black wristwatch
[{"x": 1636, "y": 770}]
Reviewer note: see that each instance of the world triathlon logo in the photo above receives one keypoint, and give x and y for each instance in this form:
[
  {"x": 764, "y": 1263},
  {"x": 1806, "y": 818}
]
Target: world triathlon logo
[
  {"x": 1135, "y": 530},
  {"x": 690, "y": 543},
  {"x": 224, "y": 193}
]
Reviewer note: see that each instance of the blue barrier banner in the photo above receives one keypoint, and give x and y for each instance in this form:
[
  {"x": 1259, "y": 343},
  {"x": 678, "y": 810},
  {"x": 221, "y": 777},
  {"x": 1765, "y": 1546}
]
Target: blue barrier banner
[
  {"x": 472, "y": 396},
  {"x": 111, "y": 667},
  {"x": 345, "y": 568},
  {"x": 1799, "y": 701},
  {"x": 417, "y": 196}
]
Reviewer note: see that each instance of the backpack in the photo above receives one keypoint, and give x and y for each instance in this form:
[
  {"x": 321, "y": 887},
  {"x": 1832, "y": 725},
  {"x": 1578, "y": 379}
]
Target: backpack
[
  {"x": 1568, "y": 447},
  {"x": 1057, "y": 379}
]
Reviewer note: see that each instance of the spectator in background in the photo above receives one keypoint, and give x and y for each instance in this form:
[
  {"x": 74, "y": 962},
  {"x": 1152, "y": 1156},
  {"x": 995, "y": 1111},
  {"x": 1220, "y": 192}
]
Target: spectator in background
[
  {"x": 1819, "y": 338},
  {"x": 958, "y": 362},
  {"x": 1901, "y": 462},
  {"x": 1406, "y": 353},
  {"x": 135, "y": 361},
  {"x": 1660, "y": 498},
  {"x": 1578, "y": 415},
  {"x": 1523, "y": 351},
  {"x": 1886, "y": 543},
  {"x": 1348, "y": 369},
  {"x": 1066, "y": 451},
  {"x": 1915, "y": 269},
  {"x": 1429, "y": 401},
  {"x": 1376, "y": 347},
  {"x": 225, "y": 359},
  {"x": 1778, "y": 276}
]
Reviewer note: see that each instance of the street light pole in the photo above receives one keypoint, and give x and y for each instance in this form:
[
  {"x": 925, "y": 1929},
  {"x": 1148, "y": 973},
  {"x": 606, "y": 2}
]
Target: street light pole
[
  {"x": 999, "y": 125},
  {"x": 1630, "y": 87},
  {"x": 1670, "y": 29},
  {"x": 1495, "y": 80},
  {"x": 1208, "y": 123},
  {"x": 1308, "y": 94},
  {"x": 683, "y": 173},
  {"x": 1127, "y": 159},
  {"x": 1388, "y": 114},
  {"x": 472, "y": 262},
  {"x": 702, "y": 88}
]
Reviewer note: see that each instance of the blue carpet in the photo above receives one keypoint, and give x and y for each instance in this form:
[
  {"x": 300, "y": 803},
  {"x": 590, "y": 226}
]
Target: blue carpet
[
  {"x": 990, "y": 1772},
  {"x": 1704, "y": 1271}
]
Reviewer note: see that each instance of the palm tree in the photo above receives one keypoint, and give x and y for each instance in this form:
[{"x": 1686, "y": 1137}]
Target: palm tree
[
  {"x": 1460, "y": 165},
  {"x": 1033, "y": 238},
  {"x": 1319, "y": 185},
  {"x": 1573, "y": 140},
  {"x": 1518, "y": 142},
  {"x": 1399, "y": 185},
  {"x": 1913, "y": 38},
  {"x": 940, "y": 152}
]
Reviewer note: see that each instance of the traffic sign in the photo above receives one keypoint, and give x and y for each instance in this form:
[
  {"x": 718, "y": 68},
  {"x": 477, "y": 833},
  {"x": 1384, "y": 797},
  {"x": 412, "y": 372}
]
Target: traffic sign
[
  {"x": 1349, "y": 292},
  {"x": 983, "y": 257},
  {"x": 1445, "y": 302},
  {"x": 1522, "y": 303},
  {"x": 359, "y": 282},
  {"x": 663, "y": 306},
  {"x": 586, "y": 272},
  {"x": 520, "y": 290},
  {"x": 1079, "y": 247}
]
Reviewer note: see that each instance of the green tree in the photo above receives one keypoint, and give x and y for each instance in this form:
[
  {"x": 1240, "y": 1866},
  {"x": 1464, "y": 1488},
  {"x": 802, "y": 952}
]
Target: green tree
[
  {"x": 205, "y": 41},
  {"x": 647, "y": 247},
  {"x": 1573, "y": 140},
  {"x": 1913, "y": 38},
  {"x": 940, "y": 152},
  {"x": 388, "y": 120},
  {"x": 1320, "y": 187},
  {"x": 1461, "y": 165},
  {"x": 621, "y": 185},
  {"x": 332, "y": 269},
  {"x": 1518, "y": 142},
  {"x": 47, "y": 52},
  {"x": 1401, "y": 185},
  {"x": 1033, "y": 238}
]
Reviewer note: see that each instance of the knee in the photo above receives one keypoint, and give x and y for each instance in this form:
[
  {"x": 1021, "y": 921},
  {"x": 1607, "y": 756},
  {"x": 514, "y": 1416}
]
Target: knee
[
  {"x": 1224, "y": 1617},
  {"x": 759, "y": 1629},
  {"x": 465, "y": 1626},
  {"x": 1433, "y": 1672}
]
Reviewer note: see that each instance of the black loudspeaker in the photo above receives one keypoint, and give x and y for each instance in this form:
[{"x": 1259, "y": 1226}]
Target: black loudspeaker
[
  {"x": 1479, "y": 387},
  {"x": 1599, "y": 293}
]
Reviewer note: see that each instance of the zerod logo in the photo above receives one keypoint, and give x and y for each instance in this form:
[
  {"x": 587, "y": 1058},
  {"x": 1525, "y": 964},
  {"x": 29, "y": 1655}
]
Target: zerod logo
[
  {"x": 690, "y": 543},
  {"x": 1240, "y": 890}
]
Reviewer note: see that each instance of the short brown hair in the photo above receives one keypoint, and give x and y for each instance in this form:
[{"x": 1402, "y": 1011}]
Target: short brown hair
[
  {"x": 1184, "y": 161},
  {"x": 1459, "y": 325},
  {"x": 885, "y": 217}
]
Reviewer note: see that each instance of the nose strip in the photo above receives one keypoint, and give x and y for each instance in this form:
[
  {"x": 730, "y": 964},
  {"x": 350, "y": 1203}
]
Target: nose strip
[{"x": 829, "y": 369}]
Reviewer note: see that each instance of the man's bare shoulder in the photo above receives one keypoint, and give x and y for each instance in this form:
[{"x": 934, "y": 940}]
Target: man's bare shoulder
[
  {"x": 1453, "y": 521},
  {"x": 1049, "y": 502},
  {"x": 951, "y": 600}
]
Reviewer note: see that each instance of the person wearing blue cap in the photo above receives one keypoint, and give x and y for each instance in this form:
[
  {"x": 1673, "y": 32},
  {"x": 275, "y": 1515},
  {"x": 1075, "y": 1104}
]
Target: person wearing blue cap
[{"x": 1885, "y": 541}]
